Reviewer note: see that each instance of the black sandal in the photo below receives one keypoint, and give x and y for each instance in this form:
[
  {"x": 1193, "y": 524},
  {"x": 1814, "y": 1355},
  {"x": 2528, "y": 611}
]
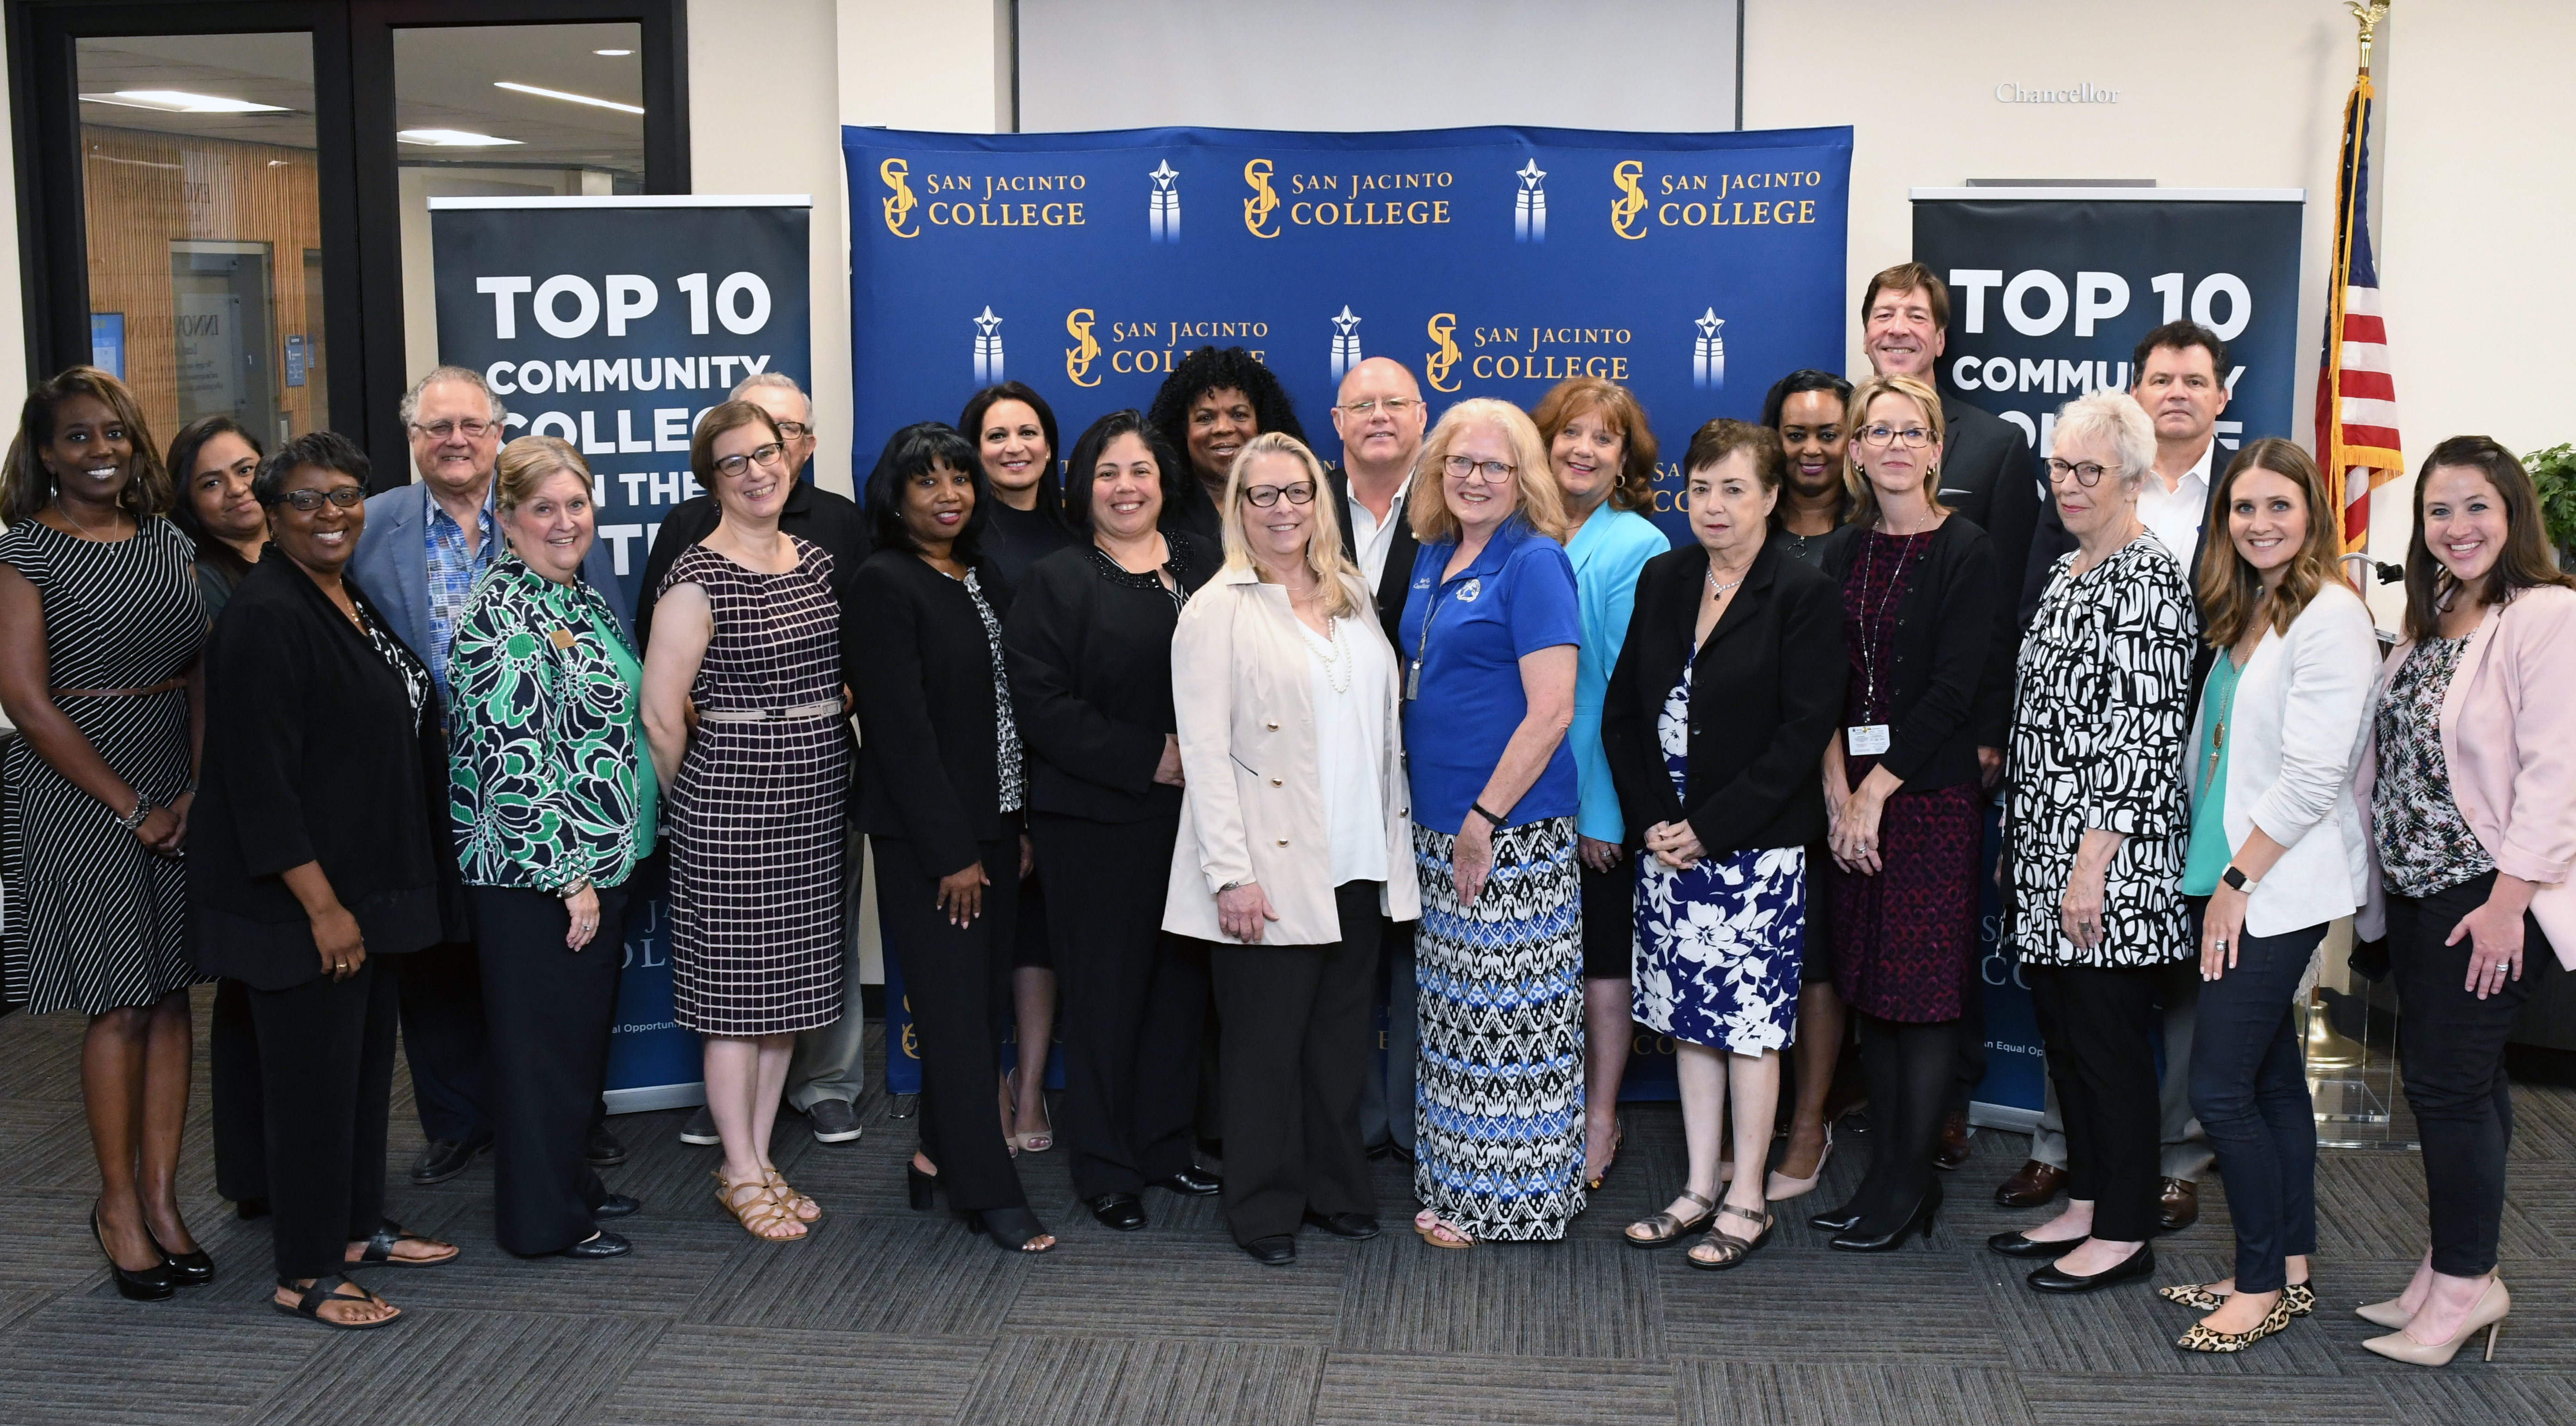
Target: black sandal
[
  {"x": 1731, "y": 1250},
  {"x": 1011, "y": 1229},
  {"x": 379, "y": 1250},
  {"x": 327, "y": 1289}
]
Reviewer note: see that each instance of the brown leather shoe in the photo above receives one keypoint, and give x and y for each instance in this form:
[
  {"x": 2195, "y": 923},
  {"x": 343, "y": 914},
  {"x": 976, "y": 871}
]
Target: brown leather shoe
[
  {"x": 2032, "y": 1185},
  {"x": 2177, "y": 1205},
  {"x": 1953, "y": 1150}
]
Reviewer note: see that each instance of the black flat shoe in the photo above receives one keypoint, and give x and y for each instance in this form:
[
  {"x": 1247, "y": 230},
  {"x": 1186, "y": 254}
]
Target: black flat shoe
[
  {"x": 1276, "y": 1251},
  {"x": 603, "y": 1150},
  {"x": 921, "y": 1187},
  {"x": 602, "y": 1244},
  {"x": 1855, "y": 1240},
  {"x": 1840, "y": 1220},
  {"x": 1122, "y": 1212},
  {"x": 444, "y": 1159},
  {"x": 617, "y": 1205},
  {"x": 2015, "y": 1245},
  {"x": 1011, "y": 1229},
  {"x": 251, "y": 1209},
  {"x": 1340, "y": 1225},
  {"x": 153, "y": 1284},
  {"x": 1193, "y": 1183},
  {"x": 2141, "y": 1263},
  {"x": 186, "y": 1269}
]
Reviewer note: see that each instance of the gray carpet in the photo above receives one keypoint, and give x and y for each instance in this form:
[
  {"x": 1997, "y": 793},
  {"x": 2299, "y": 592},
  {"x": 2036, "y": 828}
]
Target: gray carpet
[{"x": 891, "y": 1316}]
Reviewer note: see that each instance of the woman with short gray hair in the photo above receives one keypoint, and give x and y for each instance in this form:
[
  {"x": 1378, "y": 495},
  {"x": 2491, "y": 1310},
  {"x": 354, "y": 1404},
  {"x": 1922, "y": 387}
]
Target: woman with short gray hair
[{"x": 2094, "y": 829}]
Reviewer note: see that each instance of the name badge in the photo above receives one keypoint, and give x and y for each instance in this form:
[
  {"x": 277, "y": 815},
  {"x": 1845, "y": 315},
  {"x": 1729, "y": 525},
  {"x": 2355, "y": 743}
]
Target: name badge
[
  {"x": 560, "y": 638},
  {"x": 1866, "y": 740},
  {"x": 1412, "y": 679}
]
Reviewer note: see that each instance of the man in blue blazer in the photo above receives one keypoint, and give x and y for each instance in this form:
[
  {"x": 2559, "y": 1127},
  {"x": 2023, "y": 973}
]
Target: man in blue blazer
[{"x": 423, "y": 546}]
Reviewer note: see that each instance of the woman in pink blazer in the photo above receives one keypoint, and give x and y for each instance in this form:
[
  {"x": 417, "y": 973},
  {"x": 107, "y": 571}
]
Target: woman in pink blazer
[{"x": 2470, "y": 788}]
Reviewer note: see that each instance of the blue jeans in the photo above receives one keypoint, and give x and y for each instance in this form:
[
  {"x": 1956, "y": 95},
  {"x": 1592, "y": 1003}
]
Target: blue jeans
[{"x": 2249, "y": 1088}]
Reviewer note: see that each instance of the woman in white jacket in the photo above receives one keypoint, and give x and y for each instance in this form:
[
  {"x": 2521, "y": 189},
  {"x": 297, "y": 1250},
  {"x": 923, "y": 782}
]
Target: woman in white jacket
[
  {"x": 2276, "y": 854},
  {"x": 1294, "y": 842}
]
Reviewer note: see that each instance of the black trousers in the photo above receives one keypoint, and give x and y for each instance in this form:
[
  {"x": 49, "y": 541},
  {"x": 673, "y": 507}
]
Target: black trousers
[
  {"x": 1293, "y": 1058},
  {"x": 326, "y": 1063},
  {"x": 1133, "y": 1001},
  {"x": 546, "y": 1012},
  {"x": 2249, "y": 1087},
  {"x": 2098, "y": 1027},
  {"x": 956, "y": 980},
  {"x": 2451, "y": 1047},
  {"x": 240, "y": 1117},
  {"x": 442, "y": 1039}
]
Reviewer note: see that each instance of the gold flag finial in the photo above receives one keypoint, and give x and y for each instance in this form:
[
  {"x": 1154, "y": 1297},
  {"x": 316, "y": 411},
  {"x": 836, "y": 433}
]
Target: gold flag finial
[{"x": 2368, "y": 14}]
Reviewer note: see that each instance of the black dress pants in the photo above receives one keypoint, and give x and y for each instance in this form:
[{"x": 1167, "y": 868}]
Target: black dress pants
[
  {"x": 326, "y": 1063},
  {"x": 2451, "y": 1046},
  {"x": 2098, "y": 1027},
  {"x": 546, "y": 1013},
  {"x": 1292, "y": 1061},
  {"x": 956, "y": 980},
  {"x": 442, "y": 1039},
  {"x": 240, "y": 1118},
  {"x": 1133, "y": 1001}
]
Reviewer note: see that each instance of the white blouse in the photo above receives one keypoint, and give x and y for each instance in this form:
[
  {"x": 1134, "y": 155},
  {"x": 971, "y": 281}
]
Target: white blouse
[{"x": 1350, "y": 677}]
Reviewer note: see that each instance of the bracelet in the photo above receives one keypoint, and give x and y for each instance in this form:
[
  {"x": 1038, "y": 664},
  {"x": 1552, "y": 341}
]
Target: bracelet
[
  {"x": 573, "y": 888},
  {"x": 1492, "y": 818},
  {"x": 135, "y": 819}
]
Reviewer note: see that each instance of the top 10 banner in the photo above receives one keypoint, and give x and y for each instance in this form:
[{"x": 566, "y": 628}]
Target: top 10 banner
[{"x": 1693, "y": 268}]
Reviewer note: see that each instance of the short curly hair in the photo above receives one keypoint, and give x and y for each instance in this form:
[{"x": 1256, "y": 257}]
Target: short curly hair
[{"x": 1210, "y": 369}]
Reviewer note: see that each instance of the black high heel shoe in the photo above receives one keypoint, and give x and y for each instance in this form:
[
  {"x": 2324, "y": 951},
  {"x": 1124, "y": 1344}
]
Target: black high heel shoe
[
  {"x": 153, "y": 1284},
  {"x": 922, "y": 1187},
  {"x": 1853, "y": 1240},
  {"x": 1011, "y": 1229},
  {"x": 186, "y": 1269},
  {"x": 1840, "y": 1220}
]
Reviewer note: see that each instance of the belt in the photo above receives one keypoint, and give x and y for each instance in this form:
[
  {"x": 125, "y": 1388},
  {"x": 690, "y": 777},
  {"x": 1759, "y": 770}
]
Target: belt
[
  {"x": 172, "y": 686},
  {"x": 828, "y": 708}
]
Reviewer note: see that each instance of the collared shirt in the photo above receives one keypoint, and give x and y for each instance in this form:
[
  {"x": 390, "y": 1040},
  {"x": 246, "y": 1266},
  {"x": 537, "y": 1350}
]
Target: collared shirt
[
  {"x": 1517, "y": 597},
  {"x": 452, "y": 573},
  {"x": 2175, "y": 515},
  {"x": 1371, "y": 536}
]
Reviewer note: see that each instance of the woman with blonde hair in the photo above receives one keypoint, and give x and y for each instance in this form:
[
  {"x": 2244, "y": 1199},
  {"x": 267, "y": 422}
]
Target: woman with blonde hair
[
  {"x": 1490, "y": 632},
  {"x": 1293, "y": 843}
]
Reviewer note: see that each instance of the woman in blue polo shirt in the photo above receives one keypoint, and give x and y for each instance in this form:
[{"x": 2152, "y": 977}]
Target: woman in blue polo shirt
[{"x": 1490, "y": 631}]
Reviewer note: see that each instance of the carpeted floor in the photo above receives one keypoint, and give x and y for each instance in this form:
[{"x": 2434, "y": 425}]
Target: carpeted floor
[{"x": 892, "y": 1316}]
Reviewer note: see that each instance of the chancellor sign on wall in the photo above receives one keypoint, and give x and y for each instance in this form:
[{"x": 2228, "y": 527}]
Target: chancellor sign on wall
[{"x": 1693, "y": 268}]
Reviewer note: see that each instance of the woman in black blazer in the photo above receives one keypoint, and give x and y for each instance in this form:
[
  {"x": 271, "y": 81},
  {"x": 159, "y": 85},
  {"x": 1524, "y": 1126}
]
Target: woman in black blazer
[
  {"x": 1922, "y": 596},
  {"x": 1090, "y": 646},
  {"x": 318, "y": 845},
  {"x": 942, "y": 803},
  {"x": 1724, "y": 695}
]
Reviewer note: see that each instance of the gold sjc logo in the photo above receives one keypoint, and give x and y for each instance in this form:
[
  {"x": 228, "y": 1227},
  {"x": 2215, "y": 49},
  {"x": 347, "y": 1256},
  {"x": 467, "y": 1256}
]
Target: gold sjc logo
[
  {"x": 1077, "y": 360},
  {"x": 1436, "y": 365},
  {"x": 898, "y": 208},
  {"x": 1258, "y": 208},
  {"x": 1631, "y": 200}
]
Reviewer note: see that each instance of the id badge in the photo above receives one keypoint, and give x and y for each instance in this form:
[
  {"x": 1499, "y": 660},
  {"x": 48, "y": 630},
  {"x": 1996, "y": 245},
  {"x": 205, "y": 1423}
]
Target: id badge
[
  {"x": 1866, "y": 740},
  {"x": 1412, "y": 679}
]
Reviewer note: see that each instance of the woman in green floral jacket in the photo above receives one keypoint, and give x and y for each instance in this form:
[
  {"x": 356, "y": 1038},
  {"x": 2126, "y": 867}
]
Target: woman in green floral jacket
[{"x": 554, "y": 801}]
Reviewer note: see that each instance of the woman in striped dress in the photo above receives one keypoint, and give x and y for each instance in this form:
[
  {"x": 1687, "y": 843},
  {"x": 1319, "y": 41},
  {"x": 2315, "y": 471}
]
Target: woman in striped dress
[
  {"x": 747, "y": 630},
  {"x": 100, "y": 630}
]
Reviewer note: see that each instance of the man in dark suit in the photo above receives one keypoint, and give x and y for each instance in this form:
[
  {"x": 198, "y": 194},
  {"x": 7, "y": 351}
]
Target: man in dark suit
[
  {"x": 1380, "y": 415},
  {"x": 2181, "y": 379}
]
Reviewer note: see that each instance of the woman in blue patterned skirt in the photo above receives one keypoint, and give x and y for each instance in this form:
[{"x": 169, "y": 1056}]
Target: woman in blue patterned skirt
[
  {"x": 1489, "y": 635},
  {"x": 1716, "y": 715}
]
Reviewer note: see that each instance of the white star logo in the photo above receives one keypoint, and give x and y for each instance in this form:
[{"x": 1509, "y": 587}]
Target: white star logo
[
  {"x": 1346, "y": 322},
  {"x": 1531, "y": 173},
  {"x": 1163, "y": 174},
  {"x": 1708, "y": 323},
  {"x": 987, "y": 323}
]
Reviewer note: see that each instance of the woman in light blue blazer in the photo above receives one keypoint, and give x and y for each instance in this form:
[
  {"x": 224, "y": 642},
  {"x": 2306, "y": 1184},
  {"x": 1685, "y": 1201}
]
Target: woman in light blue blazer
[{"x": 1603, "y": 457}]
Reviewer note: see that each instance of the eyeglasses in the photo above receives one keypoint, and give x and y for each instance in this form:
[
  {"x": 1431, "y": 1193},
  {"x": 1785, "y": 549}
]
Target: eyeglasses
[
  {"x": 346, "y": 497},
  {"x": 2087, "y": 473},
  {"x": 1300, "y": 492},
  {"x": 470, "y": 430},
  {"x": 1914, "y": 438},
  {"x": 732, "y": 467},
  {"x": 794, "y": 430},
  {"x": 1492, "y": 472},
  {"x": 1397, "y": 406}
]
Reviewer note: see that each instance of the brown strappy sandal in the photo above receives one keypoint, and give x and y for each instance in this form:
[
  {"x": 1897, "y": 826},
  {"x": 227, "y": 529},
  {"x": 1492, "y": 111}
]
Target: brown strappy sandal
[
  {"x": 791, "y": 1200},
  {"x": 1731, "y": 1250},
  {"x": 759, "y": 1213},
  {"x": 1663, "y": 1229}
]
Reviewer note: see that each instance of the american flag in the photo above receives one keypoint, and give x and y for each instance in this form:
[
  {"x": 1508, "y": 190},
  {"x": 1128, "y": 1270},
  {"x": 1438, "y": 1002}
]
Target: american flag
[{"x": 2357, "y": 443}]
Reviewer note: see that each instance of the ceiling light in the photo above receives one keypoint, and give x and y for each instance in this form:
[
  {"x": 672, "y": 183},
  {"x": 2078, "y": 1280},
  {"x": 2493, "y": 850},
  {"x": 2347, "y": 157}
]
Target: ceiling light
[
  {"x": 570, "y": 98},
  {"x": 613, "y": 54},
  {"x": 450, "y": 139},
  {"x": 179, "y": 101}
]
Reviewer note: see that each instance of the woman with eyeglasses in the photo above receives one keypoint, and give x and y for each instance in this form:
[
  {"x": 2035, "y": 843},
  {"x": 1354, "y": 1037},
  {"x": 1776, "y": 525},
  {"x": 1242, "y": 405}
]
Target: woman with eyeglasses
[
  {"x": 1490, "y": 638},
  {"x": 2094, "y": 827},
  {"x": 1921, "y": 592},
  {"x": 1294, "y": 844},
  {"x": 748, "y": 631},
  {"x": 1089, "y": 643}
]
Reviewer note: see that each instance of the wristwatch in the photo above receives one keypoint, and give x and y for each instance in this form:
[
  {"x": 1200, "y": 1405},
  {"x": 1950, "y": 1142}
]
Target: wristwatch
[{"x": 2235, "y": 877}]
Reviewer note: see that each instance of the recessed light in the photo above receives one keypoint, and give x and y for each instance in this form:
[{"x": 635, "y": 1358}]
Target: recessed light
[
  {"x": 613, "y": 54},
  {"x": 179, "y": 101},
  {"x": 450, "y": 139},
  {"x": 568, "y": 98}
]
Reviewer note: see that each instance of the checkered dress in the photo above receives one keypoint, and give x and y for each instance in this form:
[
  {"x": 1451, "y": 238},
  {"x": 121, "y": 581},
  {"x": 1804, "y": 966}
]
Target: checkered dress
[{"x": 756, "y": 813}]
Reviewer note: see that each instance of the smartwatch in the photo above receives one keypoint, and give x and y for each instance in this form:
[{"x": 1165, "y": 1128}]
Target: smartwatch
[{"x": 2235, "y": 877}]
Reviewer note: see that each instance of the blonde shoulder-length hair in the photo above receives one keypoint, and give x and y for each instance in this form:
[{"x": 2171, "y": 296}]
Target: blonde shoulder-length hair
[
  {"x": 1535, "y": 496},
  {"x": 1334, "y": 572},
  {"x": 1864, "y": 494}
]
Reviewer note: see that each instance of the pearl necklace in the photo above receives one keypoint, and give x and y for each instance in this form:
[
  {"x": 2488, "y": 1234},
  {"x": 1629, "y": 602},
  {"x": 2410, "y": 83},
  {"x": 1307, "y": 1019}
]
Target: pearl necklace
[{"x": 1331, "y": 652}]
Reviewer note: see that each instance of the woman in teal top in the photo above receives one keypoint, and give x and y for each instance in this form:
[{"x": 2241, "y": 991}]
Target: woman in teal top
[
  {"x": 554, "y": 802},
  {"x": 1603, "y": 458}
]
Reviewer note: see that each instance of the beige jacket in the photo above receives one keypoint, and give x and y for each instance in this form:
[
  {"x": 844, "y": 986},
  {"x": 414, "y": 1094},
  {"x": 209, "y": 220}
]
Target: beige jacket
[{"x": 1253, "y": 809}]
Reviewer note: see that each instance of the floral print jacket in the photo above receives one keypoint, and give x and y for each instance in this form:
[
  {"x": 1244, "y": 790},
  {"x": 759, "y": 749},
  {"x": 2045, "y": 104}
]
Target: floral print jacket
[{"x": 545, "y": 754}]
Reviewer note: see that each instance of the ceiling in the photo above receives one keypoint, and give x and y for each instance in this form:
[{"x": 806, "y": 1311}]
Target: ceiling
[{"x": 444, "y": 79}]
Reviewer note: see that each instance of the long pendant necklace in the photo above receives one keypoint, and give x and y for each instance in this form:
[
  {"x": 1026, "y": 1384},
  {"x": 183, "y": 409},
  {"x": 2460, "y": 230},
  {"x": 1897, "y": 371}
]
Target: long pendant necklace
[{"x": 1331, "y": 652}]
